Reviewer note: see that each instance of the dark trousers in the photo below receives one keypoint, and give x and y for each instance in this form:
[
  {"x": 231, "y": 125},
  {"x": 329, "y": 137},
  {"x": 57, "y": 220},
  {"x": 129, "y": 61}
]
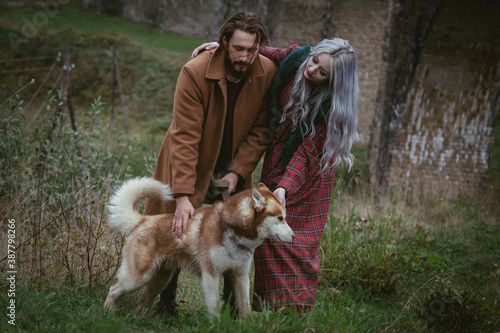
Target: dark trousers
[{"x": 169, "y": 293}]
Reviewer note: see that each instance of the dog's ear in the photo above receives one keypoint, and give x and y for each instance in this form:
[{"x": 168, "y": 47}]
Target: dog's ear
[
  {"x": 263, "y": 187},
  {"x": 258, "y": 200}
]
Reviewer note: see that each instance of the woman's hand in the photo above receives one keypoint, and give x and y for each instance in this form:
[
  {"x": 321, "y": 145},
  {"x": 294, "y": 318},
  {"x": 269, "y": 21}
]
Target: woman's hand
[{"x": 204, "y": 47}]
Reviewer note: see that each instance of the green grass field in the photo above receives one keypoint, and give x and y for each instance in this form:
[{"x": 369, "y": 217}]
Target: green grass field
[{"x": 387, "y": 266}]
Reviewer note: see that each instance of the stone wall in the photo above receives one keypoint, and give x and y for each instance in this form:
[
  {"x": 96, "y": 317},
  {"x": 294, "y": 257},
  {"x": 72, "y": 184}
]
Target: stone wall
[
  {"x": 141, "y": 10},
  {"x": 196, "y": 18},
  {"x": 444, "y": 133},
  {"x": 299, "y": 22},
  {"x": 363, "y": 23},
  {"x": 407, "y": 26}
]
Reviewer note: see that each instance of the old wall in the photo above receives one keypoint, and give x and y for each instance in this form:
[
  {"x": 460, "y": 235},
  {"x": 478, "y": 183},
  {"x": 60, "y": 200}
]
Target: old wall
[
  {"x": 299, "y": 22},
  {"x": 445, "y": 131},
  {"x": 408, "y": 24},
  {"x": 363, "y": 23},
  {"x": 140, "y": 10},
  {"x": 194, "y": 18}
]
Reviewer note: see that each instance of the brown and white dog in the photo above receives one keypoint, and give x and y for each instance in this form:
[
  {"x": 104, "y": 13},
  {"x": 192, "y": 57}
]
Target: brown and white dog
[{"x": 220, "y": 238}]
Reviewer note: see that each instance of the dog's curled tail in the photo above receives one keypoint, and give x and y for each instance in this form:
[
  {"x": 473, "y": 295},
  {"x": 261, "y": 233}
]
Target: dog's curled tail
[{"x": 121, "y": 207}]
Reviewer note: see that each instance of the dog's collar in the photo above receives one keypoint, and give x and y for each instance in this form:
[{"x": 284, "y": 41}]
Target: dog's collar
[{"x": 237, "y": 241}]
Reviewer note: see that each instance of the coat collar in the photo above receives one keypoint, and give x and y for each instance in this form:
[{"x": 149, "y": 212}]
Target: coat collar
[{"x": 216, "y": 70}]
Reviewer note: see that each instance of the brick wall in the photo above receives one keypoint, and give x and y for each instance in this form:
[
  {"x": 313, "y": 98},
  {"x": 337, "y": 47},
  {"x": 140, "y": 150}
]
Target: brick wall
[
  {"x": 363, "y": 23},
  {"x": 408, "y": 24},
  {"x": 299, "y": 22},
  {"x": 446, "y": 129}
]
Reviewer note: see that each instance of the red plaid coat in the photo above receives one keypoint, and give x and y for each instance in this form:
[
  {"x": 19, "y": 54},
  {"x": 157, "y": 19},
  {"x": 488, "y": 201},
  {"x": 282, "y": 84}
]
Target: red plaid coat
[{"x": 287, "y": 274}]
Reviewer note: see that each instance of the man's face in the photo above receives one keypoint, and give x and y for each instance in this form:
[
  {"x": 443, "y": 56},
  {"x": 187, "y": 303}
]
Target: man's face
[{"x": 242, "y": 50}]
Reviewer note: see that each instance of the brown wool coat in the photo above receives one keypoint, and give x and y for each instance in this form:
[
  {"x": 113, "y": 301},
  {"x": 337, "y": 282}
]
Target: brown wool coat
[{"x": 191, "y": 146}]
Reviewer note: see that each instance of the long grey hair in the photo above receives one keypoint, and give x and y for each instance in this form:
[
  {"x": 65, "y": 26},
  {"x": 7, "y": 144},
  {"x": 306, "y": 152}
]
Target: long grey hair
[{"x": 340, "y": 93}]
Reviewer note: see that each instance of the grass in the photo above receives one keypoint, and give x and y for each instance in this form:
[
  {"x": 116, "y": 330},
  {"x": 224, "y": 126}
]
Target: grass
[
  {"x": 72, "y": 15},
  {"x": 149, "y": 62},
  {"x": 387, "y": 266}
]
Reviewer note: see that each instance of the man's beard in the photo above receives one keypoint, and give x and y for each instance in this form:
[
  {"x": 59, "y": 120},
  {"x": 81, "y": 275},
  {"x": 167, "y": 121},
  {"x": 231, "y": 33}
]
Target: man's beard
[{"x": 238, "y": 73}]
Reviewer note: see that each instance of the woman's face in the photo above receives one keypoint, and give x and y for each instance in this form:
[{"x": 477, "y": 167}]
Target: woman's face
[{"x": 318, "y": 68}]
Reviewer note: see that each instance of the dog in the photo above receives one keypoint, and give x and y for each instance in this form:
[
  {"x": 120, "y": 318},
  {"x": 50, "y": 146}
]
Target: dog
[{"x": 220, "y": 239}]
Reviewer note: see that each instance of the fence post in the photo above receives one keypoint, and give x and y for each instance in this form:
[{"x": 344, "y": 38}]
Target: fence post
[
  {"x": 66, "y": 86},
  {"x": 112, "y": 120},
  {"x": 118, "y": 81}
]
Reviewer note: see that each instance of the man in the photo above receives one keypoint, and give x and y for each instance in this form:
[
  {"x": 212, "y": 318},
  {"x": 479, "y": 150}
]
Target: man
[{"x": 219, "y": 128}]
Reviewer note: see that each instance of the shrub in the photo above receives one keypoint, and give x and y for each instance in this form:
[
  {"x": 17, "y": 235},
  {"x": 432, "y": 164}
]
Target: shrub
[
  {"x": 449, "y": 307},
  {"x": 55, "y": 186},
  {"x": 375, "y": 254}
]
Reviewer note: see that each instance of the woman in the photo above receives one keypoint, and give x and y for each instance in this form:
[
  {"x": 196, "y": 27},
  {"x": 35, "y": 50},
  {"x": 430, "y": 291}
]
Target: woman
[{"x": 314, "y": 96}]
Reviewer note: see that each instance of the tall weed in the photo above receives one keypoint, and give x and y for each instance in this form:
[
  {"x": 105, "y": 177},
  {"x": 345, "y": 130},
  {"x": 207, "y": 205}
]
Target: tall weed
[
  {"x": 56, "y": 186},
  {"x": 375, "y": 254}
]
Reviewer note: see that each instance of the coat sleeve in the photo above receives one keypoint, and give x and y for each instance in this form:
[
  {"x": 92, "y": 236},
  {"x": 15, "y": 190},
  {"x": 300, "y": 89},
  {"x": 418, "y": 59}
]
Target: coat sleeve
[
  {"x": 277, "y": 55},
  {"x": 186, "y": 127},
  {"x": 251, "y": 150},
  {"x": 304, "y": 162},
  {"x": 259, "y": 137}
]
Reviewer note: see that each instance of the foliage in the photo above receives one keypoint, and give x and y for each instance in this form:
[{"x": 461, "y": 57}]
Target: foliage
[
  {"x": 12, "y": 148},
  {"x": 447, "y": 307},
  {"x": 436, "y": 262},
  {"x": 370, "y": 254},
  {"x": 149, "y": 62},
  {"x": 56, "y": 186}
]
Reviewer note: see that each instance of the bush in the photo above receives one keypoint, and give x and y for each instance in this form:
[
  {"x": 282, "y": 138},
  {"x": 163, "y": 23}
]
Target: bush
[
  {"x": 449, "y": 307},
  {"x": 55, "y": 185},
  {"x": 377, "y": 255}
]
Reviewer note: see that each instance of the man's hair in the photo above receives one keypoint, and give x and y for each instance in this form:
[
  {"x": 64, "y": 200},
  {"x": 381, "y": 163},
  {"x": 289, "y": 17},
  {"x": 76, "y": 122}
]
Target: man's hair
[{"x": 247, "y": 22}]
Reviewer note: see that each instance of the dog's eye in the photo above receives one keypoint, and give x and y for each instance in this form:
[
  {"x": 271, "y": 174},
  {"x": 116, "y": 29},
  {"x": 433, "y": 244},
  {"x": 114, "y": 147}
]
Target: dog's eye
[{"x": 280, "y": 218}]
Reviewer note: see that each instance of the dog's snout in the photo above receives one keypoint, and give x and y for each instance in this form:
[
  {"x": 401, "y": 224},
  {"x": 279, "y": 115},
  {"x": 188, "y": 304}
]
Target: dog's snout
[{"x": 293, "y": 235}]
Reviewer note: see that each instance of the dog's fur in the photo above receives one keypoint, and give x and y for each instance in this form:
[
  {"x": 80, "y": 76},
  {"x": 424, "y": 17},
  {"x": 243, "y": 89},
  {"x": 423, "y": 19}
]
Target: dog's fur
[{"x": 220, "y": 238}]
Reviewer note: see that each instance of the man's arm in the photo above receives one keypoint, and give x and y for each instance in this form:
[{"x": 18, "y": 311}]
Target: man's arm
[
  {"x": 185, "y": 132},
  {"x": 185, "y": 136},
  {"x": 259, "y": 136}
]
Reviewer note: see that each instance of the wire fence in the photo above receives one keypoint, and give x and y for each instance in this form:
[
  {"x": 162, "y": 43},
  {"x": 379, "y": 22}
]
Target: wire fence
[{"x": 107, "y": 70}]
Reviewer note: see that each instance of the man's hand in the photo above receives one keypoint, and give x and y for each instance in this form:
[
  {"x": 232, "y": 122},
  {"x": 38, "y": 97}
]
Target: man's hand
[
  {"x": 232, "y": 178},
  {"x": 183, "y": 212},
  {"x": 280, "y": 193}
]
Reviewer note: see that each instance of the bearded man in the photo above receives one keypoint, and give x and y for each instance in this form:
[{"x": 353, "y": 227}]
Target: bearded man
[{"x": 219, "y": 130}]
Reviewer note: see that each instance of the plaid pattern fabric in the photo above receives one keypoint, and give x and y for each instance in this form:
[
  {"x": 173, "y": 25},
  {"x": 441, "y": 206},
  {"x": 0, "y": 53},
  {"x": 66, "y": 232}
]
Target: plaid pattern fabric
[
  {"x": 287, "y": 274},
  {"x": 277, "y": 55}
]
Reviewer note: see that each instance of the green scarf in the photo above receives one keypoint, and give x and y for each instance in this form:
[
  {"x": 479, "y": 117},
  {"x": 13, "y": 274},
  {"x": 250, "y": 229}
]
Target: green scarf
[{"x": 286, "y": 72}]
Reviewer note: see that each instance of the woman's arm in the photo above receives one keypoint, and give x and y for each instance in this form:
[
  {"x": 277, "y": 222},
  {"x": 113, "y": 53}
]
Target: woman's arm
[
  {"x": 277, "y": 55},
  {"x": 304, "y": 162}
]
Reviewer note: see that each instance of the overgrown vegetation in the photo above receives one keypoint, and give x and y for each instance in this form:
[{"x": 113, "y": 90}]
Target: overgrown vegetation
[
  {"x": 55, "y": 187},
  {"x": 386, "y": 266},
  {"x": 31, "y": 40}
]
